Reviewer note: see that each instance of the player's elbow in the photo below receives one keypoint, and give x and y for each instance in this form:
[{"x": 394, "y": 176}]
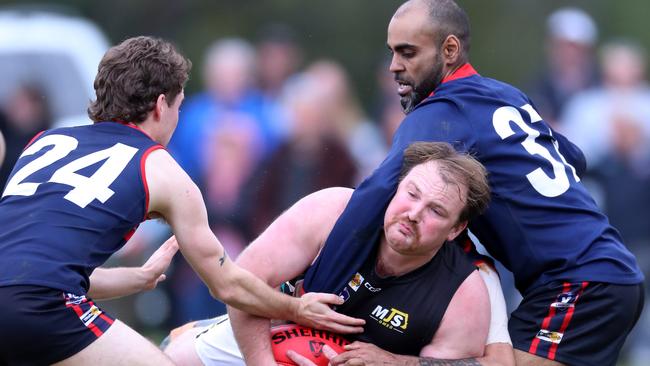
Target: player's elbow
[{"x": 224, "y": 294}]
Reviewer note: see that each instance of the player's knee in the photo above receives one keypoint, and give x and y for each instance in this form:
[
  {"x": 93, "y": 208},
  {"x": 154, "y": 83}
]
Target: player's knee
[{"x": 179, "y": 344}]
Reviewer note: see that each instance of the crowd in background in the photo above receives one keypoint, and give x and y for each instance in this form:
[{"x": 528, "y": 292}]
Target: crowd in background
[{"x": 269, "y": 128}]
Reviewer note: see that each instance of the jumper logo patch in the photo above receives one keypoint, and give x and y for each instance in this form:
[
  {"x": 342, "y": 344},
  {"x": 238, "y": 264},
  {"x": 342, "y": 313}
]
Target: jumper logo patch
[
  {"x": 356, "y": 281},
  {"x": 565, "y": 300},
  {"x": 345, "y": 294},
  {"x": 549, "y": 336},
  {"x": 391, "y": 318},
  {"x": 72, "y": 299}
]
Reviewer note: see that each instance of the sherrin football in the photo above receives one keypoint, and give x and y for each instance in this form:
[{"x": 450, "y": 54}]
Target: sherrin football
[{"x": 306, "y": 341}]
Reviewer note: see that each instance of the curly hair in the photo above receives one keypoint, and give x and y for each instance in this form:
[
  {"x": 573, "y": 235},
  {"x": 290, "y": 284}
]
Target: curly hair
[
  {"x": 460, "y": 169},
  {"x": 132, "y": 75}
]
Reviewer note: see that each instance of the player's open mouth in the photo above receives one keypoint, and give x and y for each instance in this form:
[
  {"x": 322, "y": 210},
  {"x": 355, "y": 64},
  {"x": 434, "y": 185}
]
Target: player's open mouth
[{"x": 403, "y": 88}]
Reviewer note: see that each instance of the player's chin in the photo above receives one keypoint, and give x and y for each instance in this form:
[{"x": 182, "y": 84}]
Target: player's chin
[{"x": 407, "y": 102}]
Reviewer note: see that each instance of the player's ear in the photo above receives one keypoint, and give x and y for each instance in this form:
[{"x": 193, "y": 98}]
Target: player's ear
[
  {"x": 161, "y": 102},
  {"x": 456, "y": 230},
  {"x": 451, "y": 49}
]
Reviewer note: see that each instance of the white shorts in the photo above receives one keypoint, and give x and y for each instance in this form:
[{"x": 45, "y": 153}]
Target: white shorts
[{"x": 217, "y": 345}]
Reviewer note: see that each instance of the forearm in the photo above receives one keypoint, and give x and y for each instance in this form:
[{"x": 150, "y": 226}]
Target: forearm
[
  {"x": 240, "y": 288},
  {"x": 108, "y": 283},
  {"x": 252, "y": 335},
  {"x": 495, "y": 355},
  {"x": 481, "y": 361},
  {"x": 248, "y": 293}
]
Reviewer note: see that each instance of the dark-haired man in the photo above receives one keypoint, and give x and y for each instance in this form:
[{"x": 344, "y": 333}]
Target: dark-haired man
[
  {"x": 76, "y": 195},
  {"x": 576, "y": 276}
]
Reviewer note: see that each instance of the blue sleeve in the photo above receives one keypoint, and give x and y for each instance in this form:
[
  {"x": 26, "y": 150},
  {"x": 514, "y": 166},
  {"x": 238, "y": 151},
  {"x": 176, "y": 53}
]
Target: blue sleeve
[{"x": 347, "y": 246}]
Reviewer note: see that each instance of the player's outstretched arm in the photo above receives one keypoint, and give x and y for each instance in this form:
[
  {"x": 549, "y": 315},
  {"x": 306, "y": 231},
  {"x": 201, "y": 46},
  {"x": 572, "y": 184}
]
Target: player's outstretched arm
[
  {"x": 175, "y": 197},
  {"x": 109, "y": 283},
  {"x": 300, "y": 232}
]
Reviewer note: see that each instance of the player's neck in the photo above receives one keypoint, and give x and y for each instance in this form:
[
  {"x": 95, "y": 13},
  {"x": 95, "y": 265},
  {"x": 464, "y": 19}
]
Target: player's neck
[{"x": 391, "y": 263}]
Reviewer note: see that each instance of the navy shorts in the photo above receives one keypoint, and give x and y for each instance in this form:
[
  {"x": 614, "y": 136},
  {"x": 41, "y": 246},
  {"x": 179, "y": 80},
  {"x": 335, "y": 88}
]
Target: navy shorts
[
  {"x": 41, "y": 326},
  {"x": 583, "y": 323}
]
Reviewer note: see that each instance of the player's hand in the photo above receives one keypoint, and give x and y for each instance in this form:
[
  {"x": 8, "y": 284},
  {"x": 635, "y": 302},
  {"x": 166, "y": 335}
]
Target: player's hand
[
  {"x": 315, "y": 312},
  {"x": 300, "y": 360},
  {"x": 360, "y": 353},
  {"x": 153, "y": 269}
]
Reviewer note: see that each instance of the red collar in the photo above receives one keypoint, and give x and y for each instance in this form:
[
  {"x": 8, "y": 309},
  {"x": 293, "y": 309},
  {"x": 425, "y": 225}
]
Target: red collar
[
  {"x": 462, "y": 72},
  {"x": 135, "y": 126}
]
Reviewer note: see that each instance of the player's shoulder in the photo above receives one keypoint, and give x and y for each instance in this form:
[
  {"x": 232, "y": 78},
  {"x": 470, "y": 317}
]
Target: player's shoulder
[
  {"x": 330, "y": 200},
  {"x": 159, "y": 160}
]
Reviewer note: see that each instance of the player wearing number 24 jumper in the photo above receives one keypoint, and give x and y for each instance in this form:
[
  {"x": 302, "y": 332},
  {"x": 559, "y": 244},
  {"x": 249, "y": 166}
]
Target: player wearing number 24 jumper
[
  {"x": 577, "y": 278},
  {"x": 75, "y": 196}
]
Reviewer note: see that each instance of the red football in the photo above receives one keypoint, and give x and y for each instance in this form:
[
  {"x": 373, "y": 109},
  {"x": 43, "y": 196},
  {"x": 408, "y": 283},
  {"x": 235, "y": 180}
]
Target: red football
[{"x": 306, "y": 341}]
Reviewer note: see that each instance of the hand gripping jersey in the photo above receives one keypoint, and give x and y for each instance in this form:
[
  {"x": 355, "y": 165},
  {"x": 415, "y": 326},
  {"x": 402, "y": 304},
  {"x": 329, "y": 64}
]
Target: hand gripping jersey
[
  {"x": 541, "y": 224},
  {"x": 73, "y": 198},
  {"x": 403, "y": 313}
]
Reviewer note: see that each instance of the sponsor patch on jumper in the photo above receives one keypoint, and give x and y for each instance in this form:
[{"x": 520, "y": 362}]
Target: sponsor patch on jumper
[
  {"x": 549, "y": 336},
  {"x": 391, "y": 318},
  {"x": 91, "y": 314},
  {"x": 356, "y": 281}
]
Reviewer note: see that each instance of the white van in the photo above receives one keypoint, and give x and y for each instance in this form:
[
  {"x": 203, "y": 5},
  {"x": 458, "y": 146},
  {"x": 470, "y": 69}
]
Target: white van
[{"x": 56, "y": 51}]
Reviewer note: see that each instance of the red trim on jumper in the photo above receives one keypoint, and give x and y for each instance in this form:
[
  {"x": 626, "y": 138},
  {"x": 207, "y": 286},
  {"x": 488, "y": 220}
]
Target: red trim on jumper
[
  {"x": 130, "y": 233},
  {"x": 143, "y": 174},
  {"x": 134, "y": 126},
  {"x": 33, "y": 139},
  {"x": 462, "y": 72},
  {"x": 567, "y": 317}
]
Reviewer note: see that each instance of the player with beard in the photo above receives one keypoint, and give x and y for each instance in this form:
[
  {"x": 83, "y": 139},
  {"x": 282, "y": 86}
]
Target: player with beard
[{"x": 575, "y": 275}]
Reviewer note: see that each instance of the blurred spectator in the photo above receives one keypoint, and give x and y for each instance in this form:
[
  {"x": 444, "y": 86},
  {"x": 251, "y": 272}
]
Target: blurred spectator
[
  {"x": 360, "y": 135},
  {"x": 27, "y": 113},
  {"x": 570, "y": 65},
  {"x": 229, "y": 70},
  {"x": 313, "y": 158},
  {"x": 615, "y": 118},
  {"x": 390, "y": 118},
  {"x": 612, "y": 126},
  {"x": 278, "y": 58},
  {"x": 222, "y": 134},
  {"x": 232, "y": 154}
]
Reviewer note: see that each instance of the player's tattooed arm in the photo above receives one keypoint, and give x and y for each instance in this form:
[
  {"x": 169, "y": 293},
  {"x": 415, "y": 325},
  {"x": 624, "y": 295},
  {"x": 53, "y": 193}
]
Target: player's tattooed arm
[
  {"x": 425, "y": 361},
  {"x": 223, "y": 258}
]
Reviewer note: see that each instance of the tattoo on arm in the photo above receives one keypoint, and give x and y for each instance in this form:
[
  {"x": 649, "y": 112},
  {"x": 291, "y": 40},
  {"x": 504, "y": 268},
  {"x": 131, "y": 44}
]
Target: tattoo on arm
[
  {"x": 435, "y": 362},
  {"x": 222, "y": 259}
]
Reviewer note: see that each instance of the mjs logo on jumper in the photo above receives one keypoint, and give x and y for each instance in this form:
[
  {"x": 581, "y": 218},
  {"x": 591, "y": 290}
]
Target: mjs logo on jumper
[{"x": 391, "y": 318}]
